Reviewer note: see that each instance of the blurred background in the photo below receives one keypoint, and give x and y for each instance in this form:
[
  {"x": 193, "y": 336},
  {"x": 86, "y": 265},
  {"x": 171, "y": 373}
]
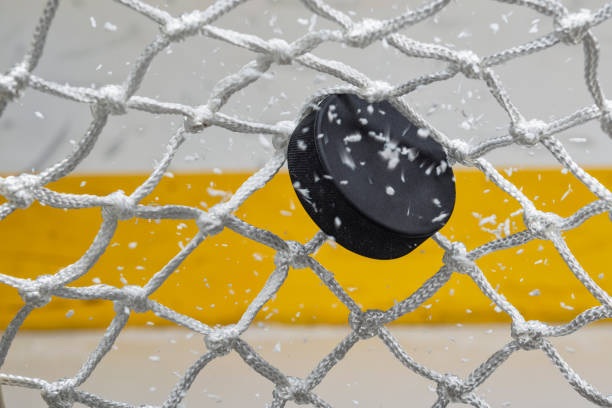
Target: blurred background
[{"x": 93, "y": 43}]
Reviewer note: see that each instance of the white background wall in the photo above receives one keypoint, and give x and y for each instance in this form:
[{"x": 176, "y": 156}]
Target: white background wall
[{"x": 546, "y": 85}]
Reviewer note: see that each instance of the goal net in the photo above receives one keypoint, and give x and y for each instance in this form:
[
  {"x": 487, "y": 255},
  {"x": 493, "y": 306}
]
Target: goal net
[{"x": 571, "y": 28}]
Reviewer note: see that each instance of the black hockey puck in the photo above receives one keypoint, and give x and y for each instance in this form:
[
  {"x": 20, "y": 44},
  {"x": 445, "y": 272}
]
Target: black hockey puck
[{"x": 368, "y": 177}]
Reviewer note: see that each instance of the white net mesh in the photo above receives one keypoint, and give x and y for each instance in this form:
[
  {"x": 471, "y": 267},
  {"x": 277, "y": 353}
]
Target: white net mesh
[{"x": 22, "y": 190}]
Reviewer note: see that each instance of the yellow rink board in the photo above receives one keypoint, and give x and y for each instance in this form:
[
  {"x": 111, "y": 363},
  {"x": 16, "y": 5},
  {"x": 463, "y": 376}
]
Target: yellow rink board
[{"x": 225, "y": 272}]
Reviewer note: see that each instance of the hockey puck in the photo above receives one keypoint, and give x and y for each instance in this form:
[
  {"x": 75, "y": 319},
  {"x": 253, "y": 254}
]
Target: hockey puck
[{"x": 368, "y": 177}]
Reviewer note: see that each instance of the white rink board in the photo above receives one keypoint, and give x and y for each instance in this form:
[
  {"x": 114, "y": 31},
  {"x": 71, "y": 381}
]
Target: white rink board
[
  {"x": 148, "y": 362},
  {"x": 546, "y": 85}
]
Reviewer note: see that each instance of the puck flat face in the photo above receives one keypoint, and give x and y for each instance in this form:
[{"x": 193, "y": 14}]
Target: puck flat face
[{"x": 368, "y": 177}]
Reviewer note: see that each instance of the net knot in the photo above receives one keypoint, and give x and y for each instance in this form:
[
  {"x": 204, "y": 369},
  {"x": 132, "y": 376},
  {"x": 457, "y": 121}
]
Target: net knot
[
  {"x": 37, "y": 292},
  {"x": 59, "y": 394},
  {"x": 294, "y": 390},
  {"x": 8, "y": 86},
  {"x": 112, "y": 99},
  {"x": 119, "y": 206},
  {"x": 19, "y": 190},
  {"x": 367, "y": 324},
  {"x": 135, "y": 298},
  {"x": 211, "y": 222},
  {"x": 573, "y": 27},
  {"x": 12, "y": 83},
  {"x": 187, "y": 24},
  {"x": 606, "y": 118},
  {"x": 529, "y": 335},
  {"x": 451, "y": 387},
  {"x": 377, "y": 91},
  {"x": 285, "y": 127},
  {"x": 543, "y": 225},
  {"x": 468, "y": 63},
  {"x": 221, "y": 340},
  {"x": 457, "y": 260},
  {"x": 280, "y": 51},
  {"x": 459, "y": 152},
  {"x": 201, "y": 118},
  {"x": 528, "y": 133},
  {"x": 363, "y": 33},
  {"x": 295, "y": 255}
]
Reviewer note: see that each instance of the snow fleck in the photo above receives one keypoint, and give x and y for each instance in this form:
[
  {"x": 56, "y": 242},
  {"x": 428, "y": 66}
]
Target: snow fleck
[
  {"x": 441, "y": 168},
  {"x": 440, "y": 217},
  {"x": 331, "y": 116},
  {"x": 347, "y": 160},
  {"x": 569, "y": 190},
  {"x": 411, "y": 152},
  {"x": 390, "y": 153},
  {"x": 216, "y": 397},
  {"x": 389, "y": 190},
  {"x": 506, "y": 17},
  {"x": 535, "y": 292},
  {"x": 217, "y": 193},
  {"x": 510, "y": 170},
  {"x": 517, "y": 212},
  {"x": 423, "y": 132},
  {"x": 491, "y": 219},
  {"x": 264, "y": 141},
  {"x": 352, "y": 138},
  {"x": 108, "y": 26}
]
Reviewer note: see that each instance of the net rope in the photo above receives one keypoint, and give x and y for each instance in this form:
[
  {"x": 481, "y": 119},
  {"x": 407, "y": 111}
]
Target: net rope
[{"x": 20, "y": 191}]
